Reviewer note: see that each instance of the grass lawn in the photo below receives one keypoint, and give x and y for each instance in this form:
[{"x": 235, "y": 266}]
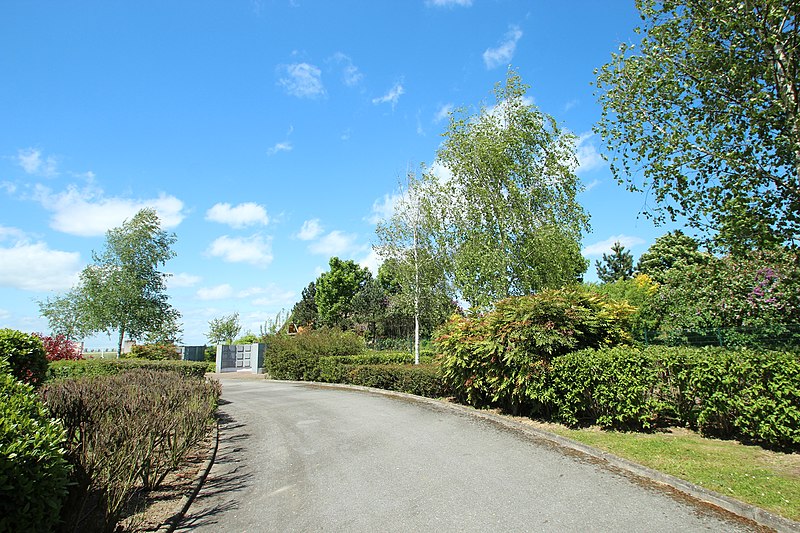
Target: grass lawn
[{"x": 770, "y": 480}]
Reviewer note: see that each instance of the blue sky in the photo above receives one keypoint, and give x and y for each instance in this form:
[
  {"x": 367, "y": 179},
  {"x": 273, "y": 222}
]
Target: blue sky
[{"x": 268, "y": 135}]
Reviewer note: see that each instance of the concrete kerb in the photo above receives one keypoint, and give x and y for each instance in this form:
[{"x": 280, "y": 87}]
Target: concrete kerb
[
  {"x": 180, "y": 509},
  {"x": 744, "y": 510}
]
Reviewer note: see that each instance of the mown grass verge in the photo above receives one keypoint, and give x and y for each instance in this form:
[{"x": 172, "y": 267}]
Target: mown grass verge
[{"x": 764, "y": 478}]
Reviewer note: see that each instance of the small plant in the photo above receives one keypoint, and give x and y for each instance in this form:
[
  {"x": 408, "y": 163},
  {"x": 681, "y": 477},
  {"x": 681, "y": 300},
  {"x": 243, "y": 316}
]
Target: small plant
[{"x": 25, "y": 355}]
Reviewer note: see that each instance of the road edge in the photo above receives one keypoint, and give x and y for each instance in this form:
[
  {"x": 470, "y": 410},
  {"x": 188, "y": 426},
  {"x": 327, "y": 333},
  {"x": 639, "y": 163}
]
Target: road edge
[{"x": 760, "y": 516}]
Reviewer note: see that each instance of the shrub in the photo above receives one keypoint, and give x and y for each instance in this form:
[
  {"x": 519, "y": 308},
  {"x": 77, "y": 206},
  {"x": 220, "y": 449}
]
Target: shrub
[
  {"x": 104, "y": 367},
  {"x": 59, "y": 347},
  {"x": 25, "y": 355},
  {"x": 155, "y": 352},
  {"x": 33, "y": 471},
  {"x": 125, "y": 432},
  {"x": 293, "y": 366},
  {"x": 490, "y": 359}
]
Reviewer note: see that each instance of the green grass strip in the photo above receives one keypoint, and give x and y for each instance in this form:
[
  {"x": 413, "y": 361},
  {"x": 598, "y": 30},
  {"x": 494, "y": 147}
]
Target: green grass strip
[{"x": 766, "y": 479}]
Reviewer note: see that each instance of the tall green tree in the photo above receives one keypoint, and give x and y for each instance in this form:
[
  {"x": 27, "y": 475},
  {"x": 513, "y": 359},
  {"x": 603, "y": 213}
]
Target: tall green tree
[
  {"x": 224, "y": 329},
  {"x": 704, "y": 114},
  {"x": 509, "y": 219},
  {"x": 617, "y": 266},
  {"x": 124, "y": 291},
  {"x": 671, "y": 250},
  {"x": 304, "y": 312},
  {"x": 369, "y": 306},
  {"x": 335, "y": 290}
]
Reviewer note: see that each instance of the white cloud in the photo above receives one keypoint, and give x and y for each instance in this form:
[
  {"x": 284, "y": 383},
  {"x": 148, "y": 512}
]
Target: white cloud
[
  {"x": 443, "y": 113},
  {"x": 588, "y": 156},
  {"x": 383, "y": 208},
  {"x": 391, "y": 97},
  {"x": 183, "y": 280},
  {"x": 302, "y": 80},
  {"x": 604, "y": 247},
  {"x": 589, "y": 186},
  {"x": 372, "y": 261},
  {"x": 219, "y": 292},
  {"x": 89, "y": 212},
  {"x": 32, "y": 162},
  {"x": 284, "y": 146},
  {"x": 351, "y": 76},
  {"x": 273, "y": 295},
  {"x": 333, "y": 244},
  {"x": 8, "y": 187},
  {"x": 571, "y": 104},
  {"x": 442, "y": 173},
  {"x": 311, "y": 230},
  {"x": 448, "y": 3},
  {"x": 502, "y": 54},
  {"x": 33, "y": 266},
  {"x": 256, "y": 250},
  {"x": 240, "y": 216}
]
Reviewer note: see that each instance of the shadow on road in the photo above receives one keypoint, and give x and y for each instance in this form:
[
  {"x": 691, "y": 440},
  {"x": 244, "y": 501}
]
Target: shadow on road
[{"x": 228, "y": 477}]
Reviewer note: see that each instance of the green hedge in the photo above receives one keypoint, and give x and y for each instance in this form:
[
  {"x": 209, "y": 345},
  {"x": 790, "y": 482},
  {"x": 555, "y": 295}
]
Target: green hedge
[
  {"x": 33, "y": 471},
  {"x": 105, "y": 367},
  {"x": 422, "y": 379},
  {"x": 749, "y": 395}
]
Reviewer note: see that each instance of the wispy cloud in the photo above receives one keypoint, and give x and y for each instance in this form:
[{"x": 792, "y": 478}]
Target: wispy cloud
[
  {"x": 443, "y": 113},
  {"x": 591, "y": 185},
  {"x": 571, "y": 104},
  {"x": 390, "y": 97},
  {"x": 604, "y": 247},
  {"x": 311, "y": 230},
  {"x": 502, "y": 53},
  {"x": 589, "y": 157},
  {"x": 351, "y": 76},
  {"x": 302, "y": 80},
  {"x": 255, "y": 250},
  {"x": 218, "y": 292},
  {"x": 448, "y": 3},
  {"x": 32, "y": 162},
  {"x": 99, "y": 213},
  {"x": 335, "y": 243},
  {"x": 34, "y": 266},
  {"x": 240, "y": 216},
  {"x": 182, "y": 279},
  {"x": 383, "y": 208},
  {"x": 284, "y": 146}
]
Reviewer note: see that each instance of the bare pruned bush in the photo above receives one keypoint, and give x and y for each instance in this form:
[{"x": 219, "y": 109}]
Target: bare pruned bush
[{"x": 125, "y": 433}]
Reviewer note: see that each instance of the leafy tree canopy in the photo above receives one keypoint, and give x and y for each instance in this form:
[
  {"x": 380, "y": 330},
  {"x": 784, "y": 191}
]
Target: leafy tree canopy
[
  {"x": 304, "y": 312},
  {"x": 123, "y": 290},
  {"x": 705, "y": 115},
  {"x": 671, "y": 250},
  {"x": 224, "y": 329},
  {"x": 509, "y": 220},
  {"x": 335, "y": 290}
]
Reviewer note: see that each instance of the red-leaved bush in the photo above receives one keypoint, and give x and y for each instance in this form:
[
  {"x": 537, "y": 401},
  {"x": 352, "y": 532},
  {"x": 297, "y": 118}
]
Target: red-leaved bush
[{"x": 60, "y": 347}]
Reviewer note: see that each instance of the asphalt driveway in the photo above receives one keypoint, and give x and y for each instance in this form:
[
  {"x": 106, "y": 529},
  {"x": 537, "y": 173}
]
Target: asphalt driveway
[{"x": 295, "y": 457}]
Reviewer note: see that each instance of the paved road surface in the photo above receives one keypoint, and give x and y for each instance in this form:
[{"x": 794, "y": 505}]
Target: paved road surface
[{"x": 303, "y": 458}]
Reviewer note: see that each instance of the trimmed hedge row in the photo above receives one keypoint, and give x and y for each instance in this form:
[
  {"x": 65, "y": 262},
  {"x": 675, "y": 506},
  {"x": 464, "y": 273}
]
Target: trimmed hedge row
[
  {"x": 391, "y": 371},
  {"x": 744, "y": 394},
  {"x": 106, "y": 367}
]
